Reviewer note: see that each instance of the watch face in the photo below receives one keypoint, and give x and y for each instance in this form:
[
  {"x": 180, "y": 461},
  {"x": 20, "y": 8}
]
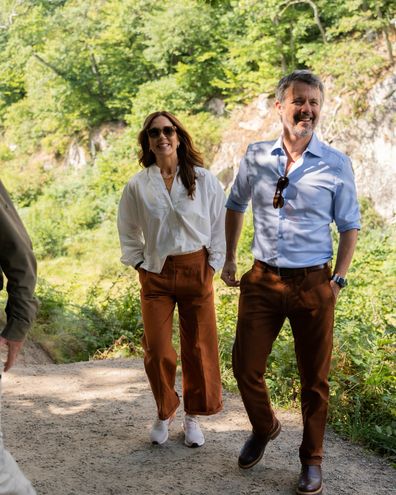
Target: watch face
[{"x": 342, "y": 282}]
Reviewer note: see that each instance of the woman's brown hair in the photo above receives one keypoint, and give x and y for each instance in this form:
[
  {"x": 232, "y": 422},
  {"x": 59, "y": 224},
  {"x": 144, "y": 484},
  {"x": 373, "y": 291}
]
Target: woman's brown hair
[{"x": 188, "y": 155}]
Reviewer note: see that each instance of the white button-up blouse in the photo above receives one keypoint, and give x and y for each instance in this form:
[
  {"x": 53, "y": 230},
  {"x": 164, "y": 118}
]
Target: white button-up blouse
[{"x": 154, "y": 224}]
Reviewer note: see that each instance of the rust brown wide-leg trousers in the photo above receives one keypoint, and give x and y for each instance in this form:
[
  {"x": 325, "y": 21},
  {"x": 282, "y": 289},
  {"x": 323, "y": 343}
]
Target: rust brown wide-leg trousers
[
  {"x": 266, "y": 300},
  {"x": 185, "y": 280}
]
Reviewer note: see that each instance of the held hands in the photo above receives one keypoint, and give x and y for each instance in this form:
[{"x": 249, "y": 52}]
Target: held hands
[
  {"x": 228, "y": 274},
  {"x": 14, "y": 346}
]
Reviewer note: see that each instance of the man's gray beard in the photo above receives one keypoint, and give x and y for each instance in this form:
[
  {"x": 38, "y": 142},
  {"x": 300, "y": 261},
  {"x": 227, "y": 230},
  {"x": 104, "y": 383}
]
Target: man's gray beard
[{"x": 303, "y": 133}]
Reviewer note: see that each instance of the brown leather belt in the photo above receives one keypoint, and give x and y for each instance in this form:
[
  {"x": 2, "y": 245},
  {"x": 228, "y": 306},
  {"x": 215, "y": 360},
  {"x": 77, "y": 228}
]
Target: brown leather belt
[{"x": 292, "y": 272}]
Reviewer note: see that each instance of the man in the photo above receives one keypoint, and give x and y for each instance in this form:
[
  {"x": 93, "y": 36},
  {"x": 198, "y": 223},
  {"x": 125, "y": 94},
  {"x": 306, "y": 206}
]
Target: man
[
  {"x": 18, "y": 263},
  {"x": 298, "y": 186}
]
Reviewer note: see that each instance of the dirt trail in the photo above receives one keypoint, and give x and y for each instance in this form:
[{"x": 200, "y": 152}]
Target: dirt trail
[{"x": 82, "y": 429}]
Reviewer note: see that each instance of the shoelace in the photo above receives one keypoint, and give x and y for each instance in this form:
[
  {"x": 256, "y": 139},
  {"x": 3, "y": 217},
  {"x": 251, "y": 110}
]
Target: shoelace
[{"x": 191, "y": 421}]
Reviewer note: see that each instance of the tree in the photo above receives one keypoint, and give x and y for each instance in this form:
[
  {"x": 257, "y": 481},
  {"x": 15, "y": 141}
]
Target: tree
[{"x": 183, "y": 37}]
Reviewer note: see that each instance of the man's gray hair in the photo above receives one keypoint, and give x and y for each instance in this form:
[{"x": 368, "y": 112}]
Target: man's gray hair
[{"x": 305, "y": 76}]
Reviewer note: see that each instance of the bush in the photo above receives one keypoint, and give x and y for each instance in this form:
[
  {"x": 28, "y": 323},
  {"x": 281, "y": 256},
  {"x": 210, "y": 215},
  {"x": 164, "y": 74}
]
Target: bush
[
  {"x": 34, "y": 180},
  {"x": 205, "y": 130},
  {"x": 66, "y": 208},
  {"x": 47, "y": 231},
  {"x": 363, "y": 400},
  {"x": 364, "y": 64},
  {"x": 162, "y": 94},
  {"x": 116, "y": 165},
  {"x": 72, "y": 332}
]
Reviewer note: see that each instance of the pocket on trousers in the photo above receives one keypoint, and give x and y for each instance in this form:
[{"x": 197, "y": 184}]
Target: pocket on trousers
[
  {"x": 315, "y": 291},
  {"x": 332, "y": 294},
  {"x": 245, "y": 277},
  {"x": 208, "y": 281},
  {"x": 142, "y": 275}
]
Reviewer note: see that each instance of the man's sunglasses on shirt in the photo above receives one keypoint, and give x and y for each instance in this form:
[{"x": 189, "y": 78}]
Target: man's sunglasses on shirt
[
  {"x": 279, "y": 200},
  {"x": 167, "y": 131}
]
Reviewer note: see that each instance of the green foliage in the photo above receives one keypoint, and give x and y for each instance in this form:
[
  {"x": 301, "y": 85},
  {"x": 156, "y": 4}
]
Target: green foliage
[
  {"x": 71, "y": 331},
  {"x": 363, "y": 381},
  {"x": 15, "y": 170},
  {"x": 255, "y": 51},
  {"x": 366, "y": 64},
  {"x": 192, "y": 47},
  {"x": 65, "y": 209},
  {"x": 5, "y": 153},
  {"x": 371, "y": 220},
  {"x": 226, "y": 310},
  {"x": 116, "y": 165},
  {"x": 69, "y": 66},
  {"x": 19, "y": 129},
  {"x": 206, "y": 131},
  {"x": 162, "y": 94}
]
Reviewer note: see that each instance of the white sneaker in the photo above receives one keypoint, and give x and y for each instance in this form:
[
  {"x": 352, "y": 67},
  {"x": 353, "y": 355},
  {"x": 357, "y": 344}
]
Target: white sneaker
[
  {"x": 160, "y": 431},
  {"x": 192, "y": 432}
]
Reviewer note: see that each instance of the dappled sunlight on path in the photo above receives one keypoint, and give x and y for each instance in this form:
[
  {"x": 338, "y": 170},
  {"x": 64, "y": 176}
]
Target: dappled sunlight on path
[{"x": 82, "y": 429}]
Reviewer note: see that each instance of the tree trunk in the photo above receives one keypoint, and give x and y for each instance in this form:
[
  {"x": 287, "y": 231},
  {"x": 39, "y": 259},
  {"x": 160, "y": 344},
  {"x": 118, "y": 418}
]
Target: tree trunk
[{"x": 315, "y": 12}]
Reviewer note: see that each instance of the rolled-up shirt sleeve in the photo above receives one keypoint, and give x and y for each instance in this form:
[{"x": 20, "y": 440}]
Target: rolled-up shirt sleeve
[
  {"x": 241, "y": 193},
  {"x": 346, "y": 206},
  {"x": 18, "y": 264},
  {"x": 129, "y": 229},
  {"x": 217, "y": 246}
]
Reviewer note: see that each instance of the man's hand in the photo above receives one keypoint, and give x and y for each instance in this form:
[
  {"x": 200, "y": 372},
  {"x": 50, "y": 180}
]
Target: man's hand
[
  {"x": 14, "y": 346},
  {"x": 228, "y": 274},
  {"x": 335, "y": 288}
]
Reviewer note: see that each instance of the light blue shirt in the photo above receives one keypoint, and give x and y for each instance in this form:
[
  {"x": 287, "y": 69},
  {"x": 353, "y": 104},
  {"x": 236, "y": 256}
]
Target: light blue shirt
[{"x": 321, "y": 190}]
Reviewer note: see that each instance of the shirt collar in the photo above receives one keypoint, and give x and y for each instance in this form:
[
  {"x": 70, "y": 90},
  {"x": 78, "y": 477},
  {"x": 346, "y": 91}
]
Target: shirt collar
[
  {"x": 314, "y": 146},
  {"x": 154, "y": 169},
  {"x": 277, "y": 148}
]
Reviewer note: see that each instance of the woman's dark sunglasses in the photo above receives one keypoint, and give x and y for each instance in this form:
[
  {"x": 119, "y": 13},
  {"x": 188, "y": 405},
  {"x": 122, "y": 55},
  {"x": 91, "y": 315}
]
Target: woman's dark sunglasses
[
  {"x": 279, "y": 200},
  {"x": 167, "y": 131}
]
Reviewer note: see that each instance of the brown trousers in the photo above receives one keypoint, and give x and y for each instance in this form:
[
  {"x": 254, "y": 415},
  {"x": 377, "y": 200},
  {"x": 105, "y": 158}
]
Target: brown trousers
[
  {"x": 185, "y": 280},
  {"x": 266, "y": 300}
]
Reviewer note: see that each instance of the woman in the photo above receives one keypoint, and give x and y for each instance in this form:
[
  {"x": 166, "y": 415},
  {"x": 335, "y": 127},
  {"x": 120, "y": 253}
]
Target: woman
[{"x": 171, "y": 227}]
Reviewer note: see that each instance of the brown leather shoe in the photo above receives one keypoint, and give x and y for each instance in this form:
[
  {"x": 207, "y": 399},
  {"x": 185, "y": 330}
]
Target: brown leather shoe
[
  {"x": 310, "y": 481},
  {"x": 254, "y": 447}
]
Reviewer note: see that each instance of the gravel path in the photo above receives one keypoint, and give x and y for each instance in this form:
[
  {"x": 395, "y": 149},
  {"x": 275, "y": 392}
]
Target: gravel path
[{"x": 82, "y": 429}]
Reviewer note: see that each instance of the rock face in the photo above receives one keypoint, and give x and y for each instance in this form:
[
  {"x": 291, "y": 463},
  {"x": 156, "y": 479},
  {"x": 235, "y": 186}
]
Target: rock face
[
  {"x": 81, "y": 151},
  {"x": 371, "y": 143},
  {"x": 254, "y": 122},
  {"x": 369, "y": 140},
  {"x": 76, "y": 156}
]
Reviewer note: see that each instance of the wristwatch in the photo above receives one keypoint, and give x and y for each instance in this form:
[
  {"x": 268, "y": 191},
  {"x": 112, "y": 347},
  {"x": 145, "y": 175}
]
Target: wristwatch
[{"x": 340, "y": 281}]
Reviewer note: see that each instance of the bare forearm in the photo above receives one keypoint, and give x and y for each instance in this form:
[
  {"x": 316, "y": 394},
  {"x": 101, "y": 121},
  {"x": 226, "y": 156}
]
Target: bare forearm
[
  {"x": 346, "y": 248},
  {"x": 233, "y": 229}
]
